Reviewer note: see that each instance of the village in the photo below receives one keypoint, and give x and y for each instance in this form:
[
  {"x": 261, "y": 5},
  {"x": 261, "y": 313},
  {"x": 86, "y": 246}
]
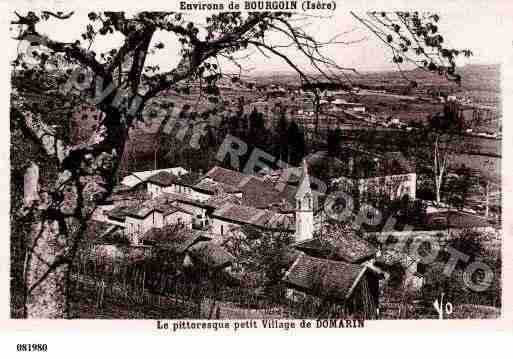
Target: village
[
  {"x": 213, "y": 221},
  {"x": 214, "y": 191}
]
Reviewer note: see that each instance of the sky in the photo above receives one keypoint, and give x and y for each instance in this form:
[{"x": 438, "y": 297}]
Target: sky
[{"x": 478, "y": 28}]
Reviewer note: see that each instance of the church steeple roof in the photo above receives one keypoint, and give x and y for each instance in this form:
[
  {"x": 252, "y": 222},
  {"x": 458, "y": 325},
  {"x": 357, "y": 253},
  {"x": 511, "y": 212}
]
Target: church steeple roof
[{"x": 304, "y": 183}]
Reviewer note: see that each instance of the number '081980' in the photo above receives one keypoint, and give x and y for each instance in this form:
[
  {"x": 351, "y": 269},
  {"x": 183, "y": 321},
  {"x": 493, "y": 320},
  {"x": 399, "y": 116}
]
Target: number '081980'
[{"x": 31, "y": 347}]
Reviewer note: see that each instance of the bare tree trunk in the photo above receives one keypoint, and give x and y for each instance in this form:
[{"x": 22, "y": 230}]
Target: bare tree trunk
[
  {"x": 438, "y": 185},
  {"x": 46, "y": 272},
  {"x": 487, "y": 208},
  {"x": 440, "y": 161},
  {"x": 317, "y": 110},
  {"x": 59, "y": 218}
]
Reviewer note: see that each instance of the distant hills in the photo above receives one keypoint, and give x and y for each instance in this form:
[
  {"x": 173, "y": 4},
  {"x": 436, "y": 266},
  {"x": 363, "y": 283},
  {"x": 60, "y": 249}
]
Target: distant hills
[
  {"x": 472, "y": 76},
  {"x": 481, "y": 82}
]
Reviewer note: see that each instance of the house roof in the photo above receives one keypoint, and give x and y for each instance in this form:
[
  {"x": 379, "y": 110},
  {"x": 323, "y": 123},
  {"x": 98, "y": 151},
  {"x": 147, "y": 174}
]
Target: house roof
[
  {"x": 259, "y": 194},
  {"x": 323, "y": 277},
  {"x": 162, "y": 178},
  {"x": 168, "y": 237},
  {"x": 144, "y": 209},
  {"x": 257, "y": 191},
  {"x": 165, "y": 204},
  {"x": 290, "y": 175},
  {"x": 221, "y": 199},
  {"x": 343, "y": 244},
  {"x": 316, "y": 245},
  {"x": 242, "y": 214},
  {"x": 119, "y": 212},
  {"x": 135, "y": 178},
  {"x": 210, "y": 254},
  {"x": 352, "y": 248},
  {"x": 173, "y": 209},
  {"x": 223, "y": 175},
  {"x": 124, "y": 193},
  {"x": 211, "y": 186},
  {"x": 254, "y": 216}
]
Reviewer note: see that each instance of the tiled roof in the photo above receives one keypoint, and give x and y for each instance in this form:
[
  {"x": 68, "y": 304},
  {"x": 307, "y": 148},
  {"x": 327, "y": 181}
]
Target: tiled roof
[
  {"x": 316, "y": 247},
  {"x": 254, "y": 216},
  {"x": 352, "y": 248},
  {"x": 259, "y": 194},
  {"x": 183, "y": 198},
  {"x": 173, "y": 209},
  {"x": 160, "y": 204},
  {"x": 323, "y": 278},
  {"x": 119, "y": 212},
  {"x": 256, "y": 192},
  {"x": 219, "y": 200},
  {"x": 211, "y": 255},
  {"x": 345, "y": 245},
  {"x": 170, "y": 238},
  {"x": 137, "y": 177},
  {"x": 211, "y": 186},
  {"x": 243, "y": 214},
  {"x": 289, "y": 175},
  {"x": 165, "y": 204},
  {"x": 162, "y": 178},
  {"x": 223, "y": 175}
]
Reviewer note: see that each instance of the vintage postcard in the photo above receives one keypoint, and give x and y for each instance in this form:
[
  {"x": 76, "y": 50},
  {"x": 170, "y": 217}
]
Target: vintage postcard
[{"x": 254, "y": 165}]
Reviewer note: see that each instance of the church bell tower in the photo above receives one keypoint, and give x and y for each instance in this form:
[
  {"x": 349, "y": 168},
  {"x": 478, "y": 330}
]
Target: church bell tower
[{"x": 304, "y": 208}]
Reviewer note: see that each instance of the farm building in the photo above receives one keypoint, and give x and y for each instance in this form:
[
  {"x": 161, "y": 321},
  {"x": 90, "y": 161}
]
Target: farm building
[{"x": 355, "y": 286}]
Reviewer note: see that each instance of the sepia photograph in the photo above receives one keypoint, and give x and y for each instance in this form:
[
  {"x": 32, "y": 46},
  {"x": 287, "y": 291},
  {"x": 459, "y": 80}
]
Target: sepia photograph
[{"x": 255, "y": 160}]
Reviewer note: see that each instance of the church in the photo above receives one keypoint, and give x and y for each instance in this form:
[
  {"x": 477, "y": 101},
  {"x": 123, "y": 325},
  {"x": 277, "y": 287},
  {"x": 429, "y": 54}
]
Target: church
[{"x": 220, "y": 203}]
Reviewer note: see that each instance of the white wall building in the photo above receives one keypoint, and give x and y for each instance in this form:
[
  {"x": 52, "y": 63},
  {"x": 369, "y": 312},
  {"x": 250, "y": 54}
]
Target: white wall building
[{"x": 304, "y": 208}]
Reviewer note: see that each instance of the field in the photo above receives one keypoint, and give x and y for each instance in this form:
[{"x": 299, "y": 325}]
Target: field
[{"x": 402, "y": 140}]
